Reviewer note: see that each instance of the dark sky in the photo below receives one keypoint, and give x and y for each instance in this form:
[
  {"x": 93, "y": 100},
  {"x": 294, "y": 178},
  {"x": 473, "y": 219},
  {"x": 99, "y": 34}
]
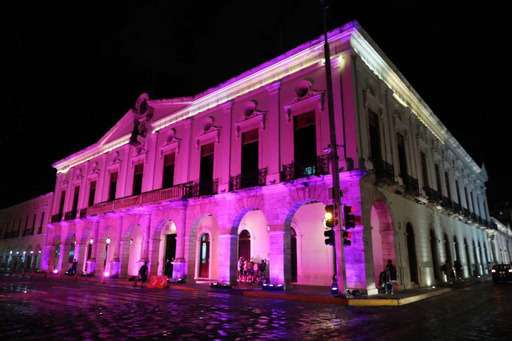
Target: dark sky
[{"x": 68, "y": 73}]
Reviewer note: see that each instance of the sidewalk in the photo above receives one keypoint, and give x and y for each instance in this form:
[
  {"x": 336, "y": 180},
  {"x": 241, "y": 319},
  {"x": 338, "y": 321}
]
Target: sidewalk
[{"x": 305, "y": 293}]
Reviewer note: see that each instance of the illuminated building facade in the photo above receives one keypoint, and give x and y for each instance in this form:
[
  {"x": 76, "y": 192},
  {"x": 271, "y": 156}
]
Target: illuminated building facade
[{"x": 242, "y": 170}]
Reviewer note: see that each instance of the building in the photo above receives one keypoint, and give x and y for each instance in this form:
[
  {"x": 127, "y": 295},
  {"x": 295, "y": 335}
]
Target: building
[
  {"x": 241, "y": 170},
  {"x": 500, "y": 239}
]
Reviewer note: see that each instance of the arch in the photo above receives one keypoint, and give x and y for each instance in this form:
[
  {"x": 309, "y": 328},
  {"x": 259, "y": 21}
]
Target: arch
[
  {"x": 255, "y": 222},
  {"x": 411, "y": 252},
  {"x": 382, "y": 238},
  {"x": 205, "y": 223},
  {"x": 166, "y": 231},
  {"x": 314, "y": 258}
]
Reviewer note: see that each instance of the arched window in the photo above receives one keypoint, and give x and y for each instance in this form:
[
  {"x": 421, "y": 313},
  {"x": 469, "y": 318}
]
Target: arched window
[
  {"x": 244, "y": 245},
  {"x": 204, "y": 256}
]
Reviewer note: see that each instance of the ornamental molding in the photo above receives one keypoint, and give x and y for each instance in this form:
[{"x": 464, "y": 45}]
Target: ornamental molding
[
  {"x": 312, "y": 99},
  {"x": 210, "y": 133}
]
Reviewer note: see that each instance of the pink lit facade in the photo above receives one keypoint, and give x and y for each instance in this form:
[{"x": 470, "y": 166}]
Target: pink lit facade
[{"x": 241, "y": 170}]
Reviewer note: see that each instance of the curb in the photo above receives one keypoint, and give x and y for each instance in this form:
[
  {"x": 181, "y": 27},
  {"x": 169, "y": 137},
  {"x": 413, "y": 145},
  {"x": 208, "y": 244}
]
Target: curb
[{"x": 397, "y": 301}]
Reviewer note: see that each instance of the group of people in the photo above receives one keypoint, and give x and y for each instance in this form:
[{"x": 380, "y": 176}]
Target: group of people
[
  {"x": 249, "y": 270},
  {"x": 453, "y": 272},
  {"x": 72, "y": 269},
  {"x": 387, "y": 278}
]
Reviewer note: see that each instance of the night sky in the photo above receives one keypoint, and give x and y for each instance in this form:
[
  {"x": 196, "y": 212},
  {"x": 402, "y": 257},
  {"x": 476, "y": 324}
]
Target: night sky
[{"x": 69, "y": 73}]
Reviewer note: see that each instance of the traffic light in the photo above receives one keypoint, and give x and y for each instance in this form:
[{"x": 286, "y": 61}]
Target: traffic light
[
  {"x": 331, "y": 215},
  {"x": 349, "y": 217},
  {"x": 329, "y": 234},
  {"x": 346, "y": 238}
]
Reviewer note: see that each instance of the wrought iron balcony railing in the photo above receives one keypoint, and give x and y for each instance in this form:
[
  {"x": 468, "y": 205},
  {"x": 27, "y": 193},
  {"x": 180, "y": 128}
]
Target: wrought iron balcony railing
[
  {"x": 446, "y": 203},
  {"x": 56, "y": 218},
  {"x": 297, "y": 170},
  {"x": 383, "y": 170},
  {"x": 70, "y": 215},
  {"x": 249, "y": 179},
  {"x": 197, "y": 189},
  {"x": 28, "y": 232},
  {"x": 411, "y": 184},
  {"x": 432, "y": 194}
]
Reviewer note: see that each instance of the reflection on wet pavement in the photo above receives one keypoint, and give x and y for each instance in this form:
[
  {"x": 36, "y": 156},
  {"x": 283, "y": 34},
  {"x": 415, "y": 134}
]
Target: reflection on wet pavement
[{"x": 73, "y": 310}]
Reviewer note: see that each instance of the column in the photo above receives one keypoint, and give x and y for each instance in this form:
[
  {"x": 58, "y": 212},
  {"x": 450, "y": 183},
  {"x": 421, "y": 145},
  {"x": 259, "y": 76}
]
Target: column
[
  {"x": 80, "y": 247},
  {"x": 179, "y": 269},
  {"x": 272, "y": 133},
  {"x": 115, "y": 264},
  {"x": 228, "y": 247},
  {"x": 154, "y": 248},
  {"x": 64, "y": 257},
  {"x": 280, "y": 256}
]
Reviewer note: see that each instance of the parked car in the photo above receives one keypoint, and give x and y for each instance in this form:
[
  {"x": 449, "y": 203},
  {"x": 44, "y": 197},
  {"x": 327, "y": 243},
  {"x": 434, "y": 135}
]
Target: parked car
[{"x": 501, "y": 273}]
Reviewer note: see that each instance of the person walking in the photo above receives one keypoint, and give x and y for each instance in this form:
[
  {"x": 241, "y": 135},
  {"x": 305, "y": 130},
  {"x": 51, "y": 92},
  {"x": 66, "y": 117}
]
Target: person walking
[
  {"x": 143, "y": 273},
  {"x": 448, "y": 271},
  {"x": 458, "y": 271}
]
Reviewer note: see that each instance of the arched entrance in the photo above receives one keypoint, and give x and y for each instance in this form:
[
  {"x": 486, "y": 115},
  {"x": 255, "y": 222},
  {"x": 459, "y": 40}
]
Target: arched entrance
[
  {"x": 309, "y": 254},
  {"x": 204, "y": 256},
  {"x": 382, "y": 238},
  {"x": 411, "y": 252},
  {"x": 167, "y": 248},
  {"x": 135, "y": 243},
  {"x": 434, "y": 253}
]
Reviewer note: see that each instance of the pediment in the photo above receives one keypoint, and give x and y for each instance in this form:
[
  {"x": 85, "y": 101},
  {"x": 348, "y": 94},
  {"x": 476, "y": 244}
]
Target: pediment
[{"x": 122, "y": 128}]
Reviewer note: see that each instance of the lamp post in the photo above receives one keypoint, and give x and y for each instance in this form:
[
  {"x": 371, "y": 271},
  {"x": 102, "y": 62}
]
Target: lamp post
[{"x": 340, "y": 275}]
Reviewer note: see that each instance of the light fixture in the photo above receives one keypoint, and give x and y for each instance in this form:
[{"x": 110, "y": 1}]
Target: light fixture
[
  {"x": 108, "y": 240},
  {"x": 91, "y": 241}
]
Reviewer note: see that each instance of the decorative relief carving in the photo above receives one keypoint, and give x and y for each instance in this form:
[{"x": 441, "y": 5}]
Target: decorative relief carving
[
  {"x": 305, "y": 96},
  {"x": 210, "y": 132},
  {"x": 252, "y": 116},
  {"x": 171, "y": 142}
]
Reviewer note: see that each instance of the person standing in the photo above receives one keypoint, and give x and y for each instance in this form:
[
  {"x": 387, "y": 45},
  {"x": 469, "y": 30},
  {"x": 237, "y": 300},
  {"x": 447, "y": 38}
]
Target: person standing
[
  {"x": 389, "y": 277},
  {"x": 168, "y": 269},
  {"x": 458, "y": 271}
]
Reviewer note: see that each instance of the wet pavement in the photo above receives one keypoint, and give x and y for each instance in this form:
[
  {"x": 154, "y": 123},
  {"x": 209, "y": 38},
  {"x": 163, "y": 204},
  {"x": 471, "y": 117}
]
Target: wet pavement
[{"x": 37, "y": 308}]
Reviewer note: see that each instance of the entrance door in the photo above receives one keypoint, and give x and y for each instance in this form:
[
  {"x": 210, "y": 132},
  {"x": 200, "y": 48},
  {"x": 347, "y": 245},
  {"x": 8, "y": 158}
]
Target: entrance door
[
  {"x": 244, "y": 245},
  {"x": 433, "y": 248},
  {"x": 294, "y": 255},
  {"x": 170, "y": 252},
  {"x": 411, "y": 249},
  {"x": 204, "y": 256}
]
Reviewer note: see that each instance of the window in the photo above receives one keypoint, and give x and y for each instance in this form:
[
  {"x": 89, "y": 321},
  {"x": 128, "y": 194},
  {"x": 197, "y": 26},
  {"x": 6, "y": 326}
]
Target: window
[
  {"x": 249, "y": 167},
  {"x": 206, "y": 169},
  {"x": 438, "y": 180},
  {"x": 168, "y": 171},
  {"x": 76, "y": 195},
  {"x": 304, "y": 141},
  {"x": 402, "y": 156},
  {"x": 375, "y": 152},
  {"x": 112, "y": 186},
  {"x": 137, "y": 179},
  {"x": 423, "y": 160},
  {"x": 62, "y": 200},
  {"x": 92, "y": 193},
  {"x": 447, "y": 180},
  {"x": 42, "y": 223}
]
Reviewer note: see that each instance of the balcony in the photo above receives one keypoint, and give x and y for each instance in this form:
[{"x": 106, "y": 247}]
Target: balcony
[
  {"x": 70, "y": 215},
  {"x": 197, "y": 189},
  {"x": 447, "y": 203},
  {"x": 297, "y": 170},
  {"x": 28, "y": 232},
  {"x": 250, "y": 179},
  {"x": 383, "y": 170},
  {"x": 411, "y": 184},
  {"x": 56, "y": 218},
  {"x": 432, "y": 195}
]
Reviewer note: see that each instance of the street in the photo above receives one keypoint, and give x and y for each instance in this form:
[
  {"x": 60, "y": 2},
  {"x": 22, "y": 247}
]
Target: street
[{"x": 37, "y": 308}]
